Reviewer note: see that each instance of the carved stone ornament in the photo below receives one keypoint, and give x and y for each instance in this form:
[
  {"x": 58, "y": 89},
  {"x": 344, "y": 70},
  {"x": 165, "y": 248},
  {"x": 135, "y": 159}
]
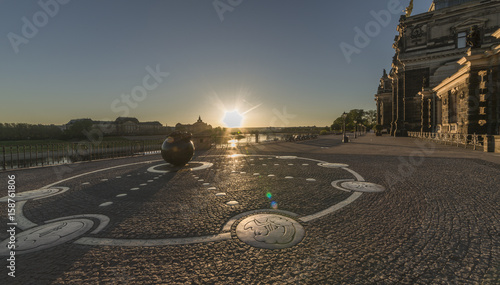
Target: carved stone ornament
[
  {"x": 416, "y": 32},
  {"x": 474, "y": 37}
]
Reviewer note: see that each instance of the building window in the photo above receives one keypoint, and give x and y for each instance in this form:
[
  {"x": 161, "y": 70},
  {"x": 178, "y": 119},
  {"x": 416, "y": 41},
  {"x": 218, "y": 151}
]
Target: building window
[
  {"x": 462, "y": 40},
  {"x": 452, "y": 107}
]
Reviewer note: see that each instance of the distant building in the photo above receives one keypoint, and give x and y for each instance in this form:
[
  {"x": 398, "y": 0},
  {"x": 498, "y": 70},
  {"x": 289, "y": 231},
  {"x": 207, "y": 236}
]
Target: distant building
[
  {"x": 444, "y": 73},
  {"x": 384, "y": 101},
  {"x": 202, "y": 133},
  {"x": 126, "y": 126},
  {"x": 195, "y": 128}
]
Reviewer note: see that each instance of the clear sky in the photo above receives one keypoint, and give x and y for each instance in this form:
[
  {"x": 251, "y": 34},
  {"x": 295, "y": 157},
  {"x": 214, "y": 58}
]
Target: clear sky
[{"x": 280, "y": 63}]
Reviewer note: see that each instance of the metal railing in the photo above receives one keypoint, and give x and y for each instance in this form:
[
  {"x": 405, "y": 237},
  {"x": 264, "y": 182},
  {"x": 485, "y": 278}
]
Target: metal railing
[
  {"x": 224, "y": 142},
  {"x": 25, "y": 156},
  {"x": 465, "y": 140}
]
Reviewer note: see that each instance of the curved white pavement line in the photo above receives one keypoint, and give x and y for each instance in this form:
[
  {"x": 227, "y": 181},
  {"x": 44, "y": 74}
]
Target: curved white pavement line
[
  {"x": 333, "y": 208},
  {"x": 104, "y": 220},
  {"x": 229, "y": 224},
  {"x": 96, "y": 171},
  {"x": 152, "y": 242},
  {"x": 24, "y": 223},
  {"x": 204, "y": 165}
]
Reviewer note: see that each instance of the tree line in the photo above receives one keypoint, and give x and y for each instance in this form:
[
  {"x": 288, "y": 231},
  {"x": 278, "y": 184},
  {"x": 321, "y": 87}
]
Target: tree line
[
  {"x": 354, "y": 117},
  {"x": 21, "y": 131}
]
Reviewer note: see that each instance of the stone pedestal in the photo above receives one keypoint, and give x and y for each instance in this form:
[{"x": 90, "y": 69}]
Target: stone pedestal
[
  {"x": 492, "y": 144},
  {"x": 202, "y": 142},
  {"x": 497, "y": 144}
]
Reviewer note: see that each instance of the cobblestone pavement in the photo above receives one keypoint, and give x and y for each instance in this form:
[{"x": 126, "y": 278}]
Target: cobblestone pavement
[{"x": 134, "y": 221}]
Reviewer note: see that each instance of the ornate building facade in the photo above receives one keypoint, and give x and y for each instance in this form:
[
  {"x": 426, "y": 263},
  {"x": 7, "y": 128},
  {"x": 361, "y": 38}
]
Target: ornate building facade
[
  {"x": 124, "y": 126},
  {"x": 202, "y": 133},
  {"x": 444, "y": 73},
  {"x": 197, "y": 128}
]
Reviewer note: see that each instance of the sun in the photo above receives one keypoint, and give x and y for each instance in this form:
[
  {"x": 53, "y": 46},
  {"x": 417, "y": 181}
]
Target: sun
[{"x": 233, "y": 119}]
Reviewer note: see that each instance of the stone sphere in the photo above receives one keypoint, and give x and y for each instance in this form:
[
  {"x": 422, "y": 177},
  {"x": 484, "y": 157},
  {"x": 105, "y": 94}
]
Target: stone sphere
[{"x": 178, "y": 149}]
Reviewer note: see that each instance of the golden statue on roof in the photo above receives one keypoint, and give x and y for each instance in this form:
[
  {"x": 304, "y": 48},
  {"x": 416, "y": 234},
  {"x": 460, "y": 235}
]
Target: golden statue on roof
[{"x": 409, "y": 9}]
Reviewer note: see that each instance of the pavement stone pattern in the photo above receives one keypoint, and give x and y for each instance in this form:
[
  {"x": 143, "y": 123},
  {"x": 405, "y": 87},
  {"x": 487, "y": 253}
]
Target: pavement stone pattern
[{"x": 437, "y": 222}]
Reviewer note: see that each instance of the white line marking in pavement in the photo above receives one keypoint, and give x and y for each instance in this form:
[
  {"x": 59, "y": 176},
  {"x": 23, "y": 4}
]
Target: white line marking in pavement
[
  {"x": 337, "y": 182},
  {"x": 333, "y": 208},
  {"x": 152, "y": 242},
  {"x": 229, "y": 224},
  {"x": 96, "y": 171},
  {"x": 104, "y": 220},
  {"x": 22, "y": 222},
  {"x": 359, "y": 177}
]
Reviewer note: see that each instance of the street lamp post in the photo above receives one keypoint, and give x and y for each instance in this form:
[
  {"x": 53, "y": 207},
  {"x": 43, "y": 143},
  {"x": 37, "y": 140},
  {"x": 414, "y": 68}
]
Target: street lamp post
[
  {"x": 345, "y": 139},
  {"x": 355, "y": 129}
]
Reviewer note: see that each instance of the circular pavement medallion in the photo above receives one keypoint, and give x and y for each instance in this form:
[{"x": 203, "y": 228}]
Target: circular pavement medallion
[
  {"x": 47, "y": 236},
  {"x": 333, "y": 165},
  {"x": 286, "y": 157},
  {"x": 359, "y": 186},
  {"x": 36, "y": 194},
  {"x": 270, "y": 231},
  {"x": 164, "y": 167}
]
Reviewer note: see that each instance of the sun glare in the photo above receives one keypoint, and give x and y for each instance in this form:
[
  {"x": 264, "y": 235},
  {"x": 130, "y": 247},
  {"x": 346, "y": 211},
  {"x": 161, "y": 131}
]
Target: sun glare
[{"x": 233, "y": 119}]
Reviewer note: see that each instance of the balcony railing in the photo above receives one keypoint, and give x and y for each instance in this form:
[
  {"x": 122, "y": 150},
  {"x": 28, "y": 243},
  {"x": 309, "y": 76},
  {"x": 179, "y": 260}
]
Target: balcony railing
[
  {"x": 25, "y": 156},
  {"x": 473, "y": 141}
]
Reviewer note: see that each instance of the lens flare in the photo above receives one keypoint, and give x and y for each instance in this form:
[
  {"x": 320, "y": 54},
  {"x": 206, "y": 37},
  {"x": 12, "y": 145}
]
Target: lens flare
[
  {"x": 274, "y": 205},
  {"x": 269, "y": 195},
  {"x": 233, "y": 143}
]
